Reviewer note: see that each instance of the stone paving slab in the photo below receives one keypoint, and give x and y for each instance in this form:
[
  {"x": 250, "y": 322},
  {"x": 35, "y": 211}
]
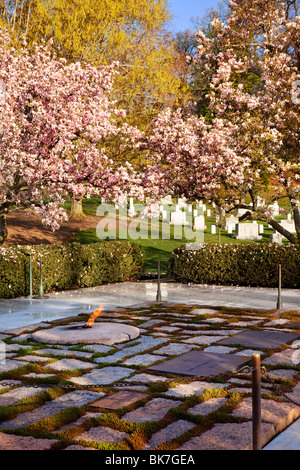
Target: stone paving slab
[
  {"x": 64, "y": 352},
  {"x": 70, "y": 364},
  {"x": 154, "y": 410},
  {"x": 11, "y": 442},
  {"x": 173, "y": 334},
  {"x": 102, "y": 435},
  {"x": 229, "y": 436},
  {"x": 79, "y": 421},
  {"x": 144, "y": 359},
  {"x": 168, "y": 433},
  {"x": 204, "y": 311},
  {"x": 119, "y": 400},
  {"x": 77, "y": 398},
  {"x": 107, "y": 375},
  {"x": 173, "y": 349},
  {"x": 203, "y": 339},
  {"x": 193, "y": 388},
  {"x": 201, "y": 364},
  {"x": 33, "y": 358},
  {"x": 280, "y": 414},
  {"x": 147, "y": 378},
  {"x": 10, "y": 365},
  {"x": 262, "y": 339},
  {"x": 286, "y": 357},
  {"x": 15, "y": 395},
  {"x": 207, "y": 406}
]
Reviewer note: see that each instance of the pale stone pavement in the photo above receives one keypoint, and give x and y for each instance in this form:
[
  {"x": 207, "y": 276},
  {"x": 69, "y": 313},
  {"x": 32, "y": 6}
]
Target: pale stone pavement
[{"x": 165, "y": 332}]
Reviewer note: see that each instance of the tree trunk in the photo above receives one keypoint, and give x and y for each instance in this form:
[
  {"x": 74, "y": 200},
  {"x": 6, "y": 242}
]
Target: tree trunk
[
  {"x": 3, "y": 228},
  {"x": 296, "y": 212},
  {"x": 76, "y": 209}
]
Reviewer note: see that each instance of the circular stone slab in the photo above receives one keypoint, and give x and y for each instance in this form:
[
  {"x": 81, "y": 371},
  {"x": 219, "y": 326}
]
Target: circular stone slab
[{"x": 100, "y": 333}]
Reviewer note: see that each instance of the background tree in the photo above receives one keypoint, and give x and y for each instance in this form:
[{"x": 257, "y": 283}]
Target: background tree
[
  {"x": 54, "y": 122},
  {"x": 132, "y": 32},
  {"x": 129, "y": 31},
  {"x": 246, "y": 142}
]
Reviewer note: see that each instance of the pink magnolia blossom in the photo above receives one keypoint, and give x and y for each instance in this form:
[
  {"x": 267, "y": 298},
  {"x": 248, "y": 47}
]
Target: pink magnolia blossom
[{"x": 56, "y": 122}]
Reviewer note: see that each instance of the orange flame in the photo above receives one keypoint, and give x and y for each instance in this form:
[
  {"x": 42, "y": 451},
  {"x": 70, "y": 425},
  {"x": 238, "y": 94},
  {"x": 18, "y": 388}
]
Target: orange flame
[{"x": 92, "y": 318}]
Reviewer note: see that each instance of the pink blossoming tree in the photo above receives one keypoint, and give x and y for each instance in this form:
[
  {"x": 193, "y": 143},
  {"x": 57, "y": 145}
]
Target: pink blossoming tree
[
  {"x": 56, "y": 124},
  {"x": 247, "y": 145}
]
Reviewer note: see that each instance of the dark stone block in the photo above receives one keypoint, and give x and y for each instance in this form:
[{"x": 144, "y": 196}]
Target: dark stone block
[
  {"x": 202, "y": 364},
  {"x": 262, "y": 339}
]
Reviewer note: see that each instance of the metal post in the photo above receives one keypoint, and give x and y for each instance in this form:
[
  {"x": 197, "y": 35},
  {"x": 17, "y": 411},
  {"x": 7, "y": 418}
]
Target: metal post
[
  {"x": 279, "y": 301},
  {"x": 158, "y": 295},
  {"x": 30, "y": 278},
  {"x": 256, "y": 402},
  {"x": 41, "y": 294},
  {"x": 41, "y": 279}
]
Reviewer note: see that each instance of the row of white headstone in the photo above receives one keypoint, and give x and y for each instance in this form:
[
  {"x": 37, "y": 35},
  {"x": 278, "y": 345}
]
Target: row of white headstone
[{"x": 242, "y": 231}]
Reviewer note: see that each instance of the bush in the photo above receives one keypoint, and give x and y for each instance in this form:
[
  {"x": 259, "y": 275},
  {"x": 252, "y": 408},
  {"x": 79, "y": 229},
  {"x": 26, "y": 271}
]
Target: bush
[
  {"x": 250, "y": 264},
  {"x": 67, "y": 266}
]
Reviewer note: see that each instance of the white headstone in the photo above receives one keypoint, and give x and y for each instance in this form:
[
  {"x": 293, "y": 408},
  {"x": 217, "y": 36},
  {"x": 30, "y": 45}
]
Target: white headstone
[
  {"x": 246, "y": 231},
  {"x": 208, "y": 212},
  {"x": 213, "y": 229},
  {"x": 276, "y": 237},
  {"x": 288, "y": 225},
  {"x": 261, "y": 228},
  {"x": 231, "y": 221},
  {"x": 199, "y": 222},
  {"x": 181, "y": 201},
  {"x": 274, "y": 208},
  {"x": 178, "y": 218},
  {"x": 260, "y": 201},
  {"x": 2, "y": 92},
  {"x": 166, "y": 200}
]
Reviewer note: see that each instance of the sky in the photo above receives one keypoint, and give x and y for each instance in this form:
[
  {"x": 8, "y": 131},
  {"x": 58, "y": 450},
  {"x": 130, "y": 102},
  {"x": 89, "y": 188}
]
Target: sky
[{"x": 183, "y": 10}]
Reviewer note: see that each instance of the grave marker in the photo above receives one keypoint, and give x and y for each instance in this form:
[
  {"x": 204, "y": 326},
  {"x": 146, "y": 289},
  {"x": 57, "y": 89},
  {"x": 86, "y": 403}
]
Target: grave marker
[
  {"x": 201, "y": 364},
  {"x": 245, "y": 231},
  {"x": 261, "y": 339}
]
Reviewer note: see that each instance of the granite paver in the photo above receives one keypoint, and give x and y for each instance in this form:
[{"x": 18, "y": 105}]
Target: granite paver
[
  {"x": 77, "y": 398},
  {"x": 280, "y": 414},
  {"x": 15, "y": 395},
  {"x": 207, "y": 406},
  {"x": 168, "y": 433},
  {"x": 11, "y": 442},
  {"x": 107, "y": 375},
  {"x": 193, "y": 388},
  {"x": 229, "y": 436},
  {"x": 124, "y": 374},
  {"x": 154, "y": 410},
  {"x": 102, "y": 435}
]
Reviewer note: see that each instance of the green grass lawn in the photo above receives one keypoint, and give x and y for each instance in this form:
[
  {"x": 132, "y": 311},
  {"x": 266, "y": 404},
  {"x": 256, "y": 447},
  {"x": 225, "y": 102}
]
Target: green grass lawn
[{"x": 160, "y": 249}]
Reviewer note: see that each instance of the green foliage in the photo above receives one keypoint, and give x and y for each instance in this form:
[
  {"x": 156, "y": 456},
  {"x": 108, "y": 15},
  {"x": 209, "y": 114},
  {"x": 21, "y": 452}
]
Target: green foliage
[
  {"x": 248, "y": 264},
  {"x": 66, "y": 266}
]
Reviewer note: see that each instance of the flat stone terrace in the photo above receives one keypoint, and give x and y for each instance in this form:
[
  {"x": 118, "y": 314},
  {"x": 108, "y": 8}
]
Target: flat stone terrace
[{"x": 101, "y": 397}]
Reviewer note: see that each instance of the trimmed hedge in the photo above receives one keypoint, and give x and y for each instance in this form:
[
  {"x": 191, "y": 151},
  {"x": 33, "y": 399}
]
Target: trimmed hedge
[
  {"x": 250, "y": 264},
  {"x": 67, "y": 266}
]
